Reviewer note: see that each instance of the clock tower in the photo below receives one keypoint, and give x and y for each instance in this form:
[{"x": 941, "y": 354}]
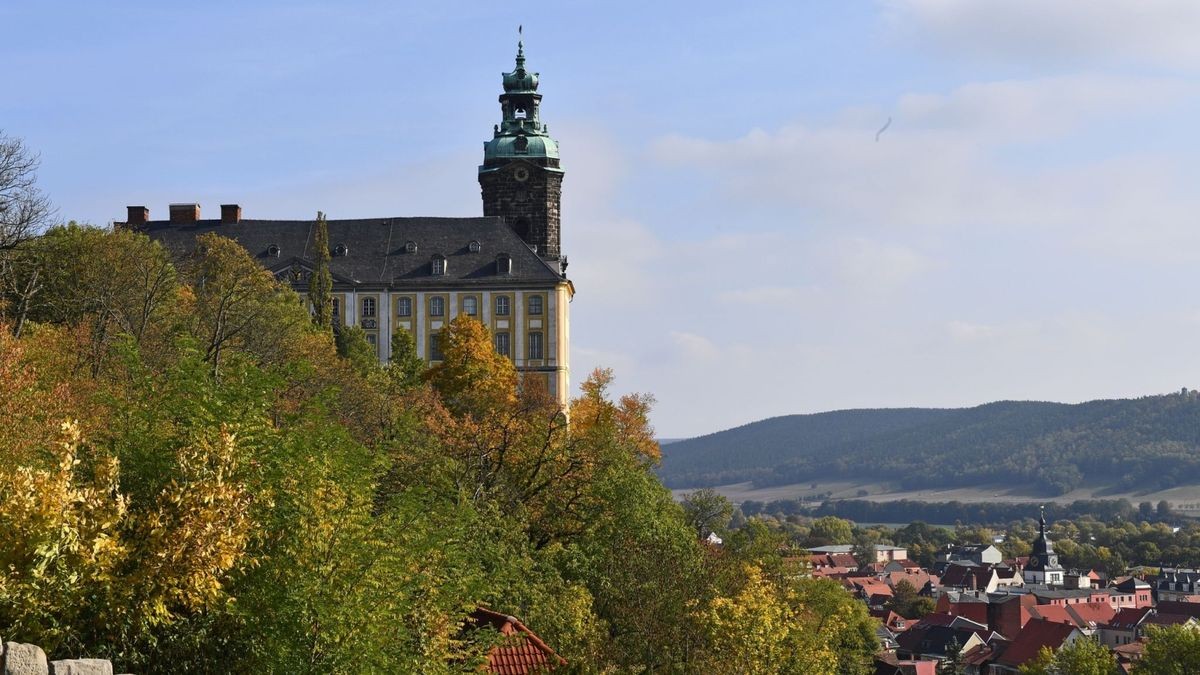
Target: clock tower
[
  {"x": 1043, "y": 567},
  {"x": 521, "y": 177}
]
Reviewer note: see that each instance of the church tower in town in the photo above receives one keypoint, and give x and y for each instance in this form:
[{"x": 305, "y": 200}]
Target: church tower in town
[
  {"x": 521, "y": 178},
  {"x": 1043, "y": 567}
]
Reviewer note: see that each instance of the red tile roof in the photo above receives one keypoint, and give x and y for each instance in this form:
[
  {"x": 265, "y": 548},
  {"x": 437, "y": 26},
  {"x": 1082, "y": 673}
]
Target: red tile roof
[
  {"x": 1036, "y": 634},
  {"x": 1129, "y": 618},
  {"x": 521, "y": 652}
]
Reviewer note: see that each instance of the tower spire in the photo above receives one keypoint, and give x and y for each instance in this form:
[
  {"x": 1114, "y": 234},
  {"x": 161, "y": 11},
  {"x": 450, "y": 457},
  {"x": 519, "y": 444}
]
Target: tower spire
[{"x": 520, "y": 47}]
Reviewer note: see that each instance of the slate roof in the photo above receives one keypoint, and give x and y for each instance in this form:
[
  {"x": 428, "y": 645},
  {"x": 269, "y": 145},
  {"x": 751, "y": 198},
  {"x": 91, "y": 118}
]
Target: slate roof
[{"x": 376, "y": 252}]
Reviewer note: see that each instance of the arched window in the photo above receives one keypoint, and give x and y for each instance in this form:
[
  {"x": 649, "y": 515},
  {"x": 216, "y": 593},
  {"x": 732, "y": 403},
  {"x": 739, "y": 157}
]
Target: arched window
[
  {"x": 470, "y": 306},
  {"x": 273, "y": 250},
  {"x": 437, "y": 306},
  {"x": 474, "y": 247},
  {"x": 410, "y": 247},
  {"x": 341, "y": 250},
  {"x": 368, "y": 307},
  {"x": 439, "y": 265},
  {"x": 404, "y": 307},
  {"x": 535, "y": 305},
  {"x": 502, "y": 305}
]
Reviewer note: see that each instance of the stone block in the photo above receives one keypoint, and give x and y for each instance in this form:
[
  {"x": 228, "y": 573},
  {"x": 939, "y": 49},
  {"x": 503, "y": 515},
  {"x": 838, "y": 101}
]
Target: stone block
[
  {"x": 23, "y": 659},
  {"x": 81, "y": 667}
]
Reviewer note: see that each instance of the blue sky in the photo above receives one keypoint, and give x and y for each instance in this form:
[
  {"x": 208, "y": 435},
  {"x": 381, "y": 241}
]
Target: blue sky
[{"x": 742, "y": 246}]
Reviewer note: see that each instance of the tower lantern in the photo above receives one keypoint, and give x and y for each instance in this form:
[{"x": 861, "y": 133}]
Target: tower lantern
[{"x": 521, "y": 177}]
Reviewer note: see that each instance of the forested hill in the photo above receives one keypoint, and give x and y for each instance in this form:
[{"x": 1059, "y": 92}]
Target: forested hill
[{"x": 1151, "y": 442}]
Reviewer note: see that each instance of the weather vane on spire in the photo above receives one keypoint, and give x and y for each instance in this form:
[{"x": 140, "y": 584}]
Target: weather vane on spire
[{"x": 520, "y": 46}]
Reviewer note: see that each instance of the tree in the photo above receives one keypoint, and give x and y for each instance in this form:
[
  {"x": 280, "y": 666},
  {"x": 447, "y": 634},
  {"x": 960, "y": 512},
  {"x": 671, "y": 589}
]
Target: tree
[
  {"x": 1171, "y": 650},
  {"x": 1084, "y": 656},
  {"x": 116, "y": 283},
  {"x": 24, "y": 209},
  {"x": 953, "y": 664},
  {"x": 234, "y": 304},
  {"x": 320, "y": 284},
  {"x": 404, "y": 363},
  {"x": 1164, "y": 509},
  {"x": 864, "y": 548},
  {"x": 707, "y": 511},
  {"x": 830, "y": 530},
  {"x": 353, "y": 346}
]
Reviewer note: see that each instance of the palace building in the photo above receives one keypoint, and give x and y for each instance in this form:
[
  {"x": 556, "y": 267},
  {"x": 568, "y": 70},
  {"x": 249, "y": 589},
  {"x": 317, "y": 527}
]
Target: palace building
[{"x": 417, "y": 274}]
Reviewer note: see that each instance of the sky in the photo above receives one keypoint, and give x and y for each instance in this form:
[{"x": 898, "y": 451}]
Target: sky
[{"x": 744, "y": 239}]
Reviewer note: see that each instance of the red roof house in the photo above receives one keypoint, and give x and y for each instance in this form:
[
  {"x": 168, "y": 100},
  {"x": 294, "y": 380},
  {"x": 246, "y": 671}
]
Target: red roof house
[
  {"x": 520, "y": 651},
  {"x": 1036, "y": 634}
]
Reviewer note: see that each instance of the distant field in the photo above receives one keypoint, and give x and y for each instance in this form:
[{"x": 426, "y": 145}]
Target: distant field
[{"x": 1181, "y": 498}]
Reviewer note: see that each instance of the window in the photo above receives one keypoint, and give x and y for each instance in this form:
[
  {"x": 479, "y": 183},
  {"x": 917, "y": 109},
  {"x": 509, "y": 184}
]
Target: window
[
  {"x": 404, "y": 307},
  {"x": 368, "y": 307},
  {"x": 535, "y": 346},
  {"x": 474, "y": 247},
  {"x": 342, "y": 250},
  {"x": 535, "y": 305},
  {"x": 273, "y": 250},
  {"x": 435, "y": 347},
  {"x": 439, "y": 265},
  {"x": 501, "y": 305},
  {"x": 470, "y": 306},
  {"x": 503, "y": 265},
  {"x": 337, "y": 311},
  {"x": 437, "y": 306},
  {"x": 410, "y": 247},
  {"x": 374, "y": 342},
  {"x": 502, "y": 344}
]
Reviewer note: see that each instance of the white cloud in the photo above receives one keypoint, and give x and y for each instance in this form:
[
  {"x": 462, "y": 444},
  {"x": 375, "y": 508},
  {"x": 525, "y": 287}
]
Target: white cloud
[
  {"x": 695, "y": 347},
  {"x": 1159, "y": 32},
  {"x": 875, "y": 266}
]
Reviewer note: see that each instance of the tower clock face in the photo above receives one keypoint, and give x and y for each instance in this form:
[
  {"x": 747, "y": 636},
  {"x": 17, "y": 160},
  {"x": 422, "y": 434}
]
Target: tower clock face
[
  {"x": 1053, "y": 560},
  {"x": 521, "y": 174},
  {"x": 1033, "y": 561}
]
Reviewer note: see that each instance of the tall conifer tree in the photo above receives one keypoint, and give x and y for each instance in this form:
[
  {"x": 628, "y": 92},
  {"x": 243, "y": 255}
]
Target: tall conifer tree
[{"x": 320, "y": 285}]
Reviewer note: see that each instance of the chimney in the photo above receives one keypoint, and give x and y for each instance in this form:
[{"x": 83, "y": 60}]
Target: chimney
[
  {"x": 231, "y": 214},
  {"x": 185, "y": 213},
  {"x": 137, "y": 216}
]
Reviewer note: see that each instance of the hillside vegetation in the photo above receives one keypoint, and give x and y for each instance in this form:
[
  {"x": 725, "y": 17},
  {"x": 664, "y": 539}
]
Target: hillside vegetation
[{"x": 1144, "y": 443}]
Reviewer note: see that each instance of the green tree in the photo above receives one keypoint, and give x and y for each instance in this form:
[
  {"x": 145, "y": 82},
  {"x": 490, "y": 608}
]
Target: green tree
[
  {"x": 1171, "y": 650},
  {"x": 353, "y": 346},
  {"x": 864, "y": 548},
  {"x": 233, "y": 304},
  {"x": 830, "y": 530},
  {"x": 404, "y": 363},
  {"x": 1084, "y": 656},
  {"x": 320, "y": 284},
  {"x": 706, "y": 511}
]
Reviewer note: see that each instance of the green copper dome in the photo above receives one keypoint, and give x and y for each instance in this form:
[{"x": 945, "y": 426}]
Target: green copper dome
[{"x": 520, "y": 132}]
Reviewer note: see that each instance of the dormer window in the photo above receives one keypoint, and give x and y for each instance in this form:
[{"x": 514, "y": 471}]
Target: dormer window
[
  {"x": 503, "y": 264},
  {"x": 439, "y": 265},
  {"x": 410, "y": 247},
  {"x": 273, "y": 251},
  {"x": 474, "y": 247},
  {"x": 341, "y": 250}
]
